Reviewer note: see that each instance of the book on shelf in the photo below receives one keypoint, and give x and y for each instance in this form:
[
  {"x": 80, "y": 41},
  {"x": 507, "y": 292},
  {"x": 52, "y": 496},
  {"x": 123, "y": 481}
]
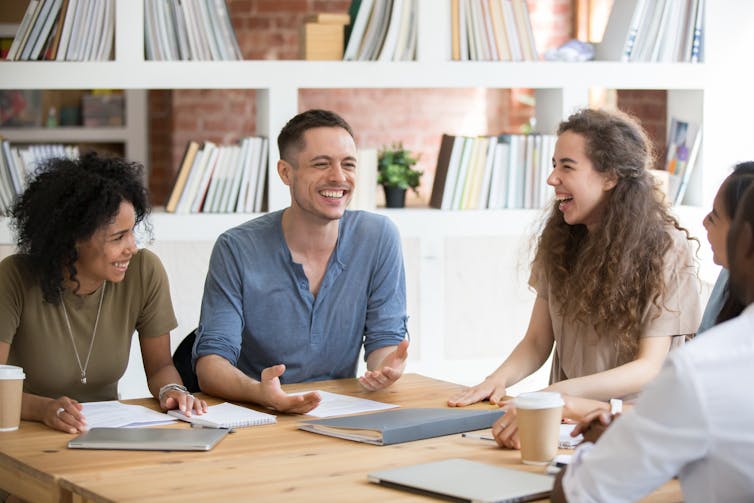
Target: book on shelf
[
  {"x": 226, "y": 415},
  {"x": 384, "y": 30},
  {"x": 18, "y": 162},
  {"x": 182, "y": 176},
  {"x": 197, "y": 30},
  {"x": 504, "y": 171},
  {"x": 65, "y": 30},
  {"x": 684, "y": 141},
  {"x": 653, "y": 31},
  {"x": 220, "y": 178},
  {"x": 492, "y": 30},
  {"x": 402, "y": 425}
]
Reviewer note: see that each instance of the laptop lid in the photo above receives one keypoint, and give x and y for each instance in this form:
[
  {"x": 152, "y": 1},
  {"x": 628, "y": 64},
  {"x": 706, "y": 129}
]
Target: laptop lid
[
  {"x": 464, "y": 480},
  {"x": 149, "y": 439}
]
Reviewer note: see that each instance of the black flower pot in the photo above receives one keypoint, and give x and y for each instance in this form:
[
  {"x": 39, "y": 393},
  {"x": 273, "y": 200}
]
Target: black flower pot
[{"x": 395, "y": 197}]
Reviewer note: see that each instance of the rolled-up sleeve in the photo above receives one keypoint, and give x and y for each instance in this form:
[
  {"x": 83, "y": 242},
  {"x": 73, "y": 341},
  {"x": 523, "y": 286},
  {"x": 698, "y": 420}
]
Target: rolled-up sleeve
[
  {"x": 386, "y": 307},
  {"x": 221, "y": 321}
]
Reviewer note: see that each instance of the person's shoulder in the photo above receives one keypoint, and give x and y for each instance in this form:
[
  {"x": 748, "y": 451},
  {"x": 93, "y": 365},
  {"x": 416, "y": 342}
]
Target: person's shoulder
[
  {"x": 16, "y": 264},
  {"x": 262, "y": 224},
  {"x": 368, "y": 222},
  {"x": 681, "y": 250},
  {"x": 144, "y": 264},
  {"x": 724, "y": 342}
]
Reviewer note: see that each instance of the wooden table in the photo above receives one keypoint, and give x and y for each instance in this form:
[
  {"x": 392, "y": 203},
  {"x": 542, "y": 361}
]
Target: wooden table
[{"x": 262, "y": 463}]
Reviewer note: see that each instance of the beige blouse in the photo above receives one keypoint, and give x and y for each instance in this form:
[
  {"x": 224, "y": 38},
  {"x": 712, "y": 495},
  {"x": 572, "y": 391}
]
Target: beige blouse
[{"x": 578, "y": 349}]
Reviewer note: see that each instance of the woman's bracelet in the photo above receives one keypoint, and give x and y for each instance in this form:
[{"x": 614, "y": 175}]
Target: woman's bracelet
[{"x": 169, "y": 387}]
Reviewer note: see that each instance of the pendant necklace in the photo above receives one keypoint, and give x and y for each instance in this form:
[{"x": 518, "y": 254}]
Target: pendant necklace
[{"x": 91, "y": 341}]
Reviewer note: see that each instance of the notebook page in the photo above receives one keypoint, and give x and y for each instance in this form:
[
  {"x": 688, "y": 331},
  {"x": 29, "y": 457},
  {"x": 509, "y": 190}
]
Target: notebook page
[{"x": 227, "y": 415}]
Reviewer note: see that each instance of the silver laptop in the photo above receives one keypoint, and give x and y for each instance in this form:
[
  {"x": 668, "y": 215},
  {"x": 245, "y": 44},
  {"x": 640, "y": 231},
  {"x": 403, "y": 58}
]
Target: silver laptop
[
  {"x": 149, "y": 439},
  {"x": 464, "y": 480}
]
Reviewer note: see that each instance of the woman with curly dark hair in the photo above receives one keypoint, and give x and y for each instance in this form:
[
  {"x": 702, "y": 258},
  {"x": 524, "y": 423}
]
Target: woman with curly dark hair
[
  {"x": 614, "y": 273},
  {"x": 72, "y": 296}
]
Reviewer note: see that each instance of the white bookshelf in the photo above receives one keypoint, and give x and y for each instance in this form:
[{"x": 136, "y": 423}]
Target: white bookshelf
[
  {"x": 450, "y": 256},
  {"x": 132, "y": 135}
]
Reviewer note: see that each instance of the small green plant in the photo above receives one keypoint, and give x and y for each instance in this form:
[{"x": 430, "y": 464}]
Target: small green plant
[{"x": 395, "y": 168}]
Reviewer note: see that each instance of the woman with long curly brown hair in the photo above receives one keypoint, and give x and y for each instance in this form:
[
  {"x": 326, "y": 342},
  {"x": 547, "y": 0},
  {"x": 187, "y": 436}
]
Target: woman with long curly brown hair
[{"x": 614, "y": 273}]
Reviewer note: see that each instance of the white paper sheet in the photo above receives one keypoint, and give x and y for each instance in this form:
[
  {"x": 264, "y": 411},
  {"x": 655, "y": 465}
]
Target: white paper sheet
[
  {"x": 114, "y": 414},
  {"x": 334, "y": 404}
]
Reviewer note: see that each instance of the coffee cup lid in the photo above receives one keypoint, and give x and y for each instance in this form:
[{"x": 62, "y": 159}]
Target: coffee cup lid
[
  {"x": 11, "y": 372},
  {"x": 539, "y": 400}
]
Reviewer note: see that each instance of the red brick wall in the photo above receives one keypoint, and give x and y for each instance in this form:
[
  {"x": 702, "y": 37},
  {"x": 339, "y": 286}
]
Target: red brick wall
[
  {"x": 650, "y": 107},
  {"x": 269, "y": 29}
]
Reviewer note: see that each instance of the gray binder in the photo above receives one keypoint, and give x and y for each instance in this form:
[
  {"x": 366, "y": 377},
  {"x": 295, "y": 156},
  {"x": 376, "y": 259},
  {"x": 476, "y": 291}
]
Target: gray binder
[
  {"x": 403, "y": 425},
  {"x": 464, "y": 480},
  {"x": 149, "y": 439}
]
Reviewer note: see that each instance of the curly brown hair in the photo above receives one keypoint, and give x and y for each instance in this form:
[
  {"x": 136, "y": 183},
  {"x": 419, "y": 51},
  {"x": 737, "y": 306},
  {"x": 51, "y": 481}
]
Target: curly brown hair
[{"x": 608, "y": 278}]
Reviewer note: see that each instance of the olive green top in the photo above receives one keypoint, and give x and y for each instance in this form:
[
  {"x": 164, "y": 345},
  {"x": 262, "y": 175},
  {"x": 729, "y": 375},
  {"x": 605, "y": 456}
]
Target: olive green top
[{"x": 38, "y": 334}]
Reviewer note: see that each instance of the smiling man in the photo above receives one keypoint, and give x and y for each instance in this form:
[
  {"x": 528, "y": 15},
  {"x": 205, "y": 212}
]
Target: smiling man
[{"x": 291, "y": 296}]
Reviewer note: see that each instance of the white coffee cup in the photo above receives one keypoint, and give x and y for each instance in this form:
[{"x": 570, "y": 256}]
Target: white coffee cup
[
  {"x": 11, "y": 390},
  {"x": 538, "y": 415}
]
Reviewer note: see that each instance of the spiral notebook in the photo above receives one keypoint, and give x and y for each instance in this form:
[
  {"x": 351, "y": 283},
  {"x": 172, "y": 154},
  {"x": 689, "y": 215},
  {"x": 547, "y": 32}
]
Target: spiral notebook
[{"x": 227, "y": 415}]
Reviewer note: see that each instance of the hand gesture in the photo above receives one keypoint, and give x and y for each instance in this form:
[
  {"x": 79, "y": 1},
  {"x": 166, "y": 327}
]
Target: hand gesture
[
  {"x": 491, "y": 389},
  {"x": 273, "y": 396},
  {"x": 505, "y": 429},
  {"x": 64, "y": 414},
  {"x": 184, "y": 401},
  {"x": 391, "y": 370},
  {"x": 593, "y": 425}
]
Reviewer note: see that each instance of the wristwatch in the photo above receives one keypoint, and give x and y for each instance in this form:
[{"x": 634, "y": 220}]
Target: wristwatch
[{"x": 168, "y": 387}]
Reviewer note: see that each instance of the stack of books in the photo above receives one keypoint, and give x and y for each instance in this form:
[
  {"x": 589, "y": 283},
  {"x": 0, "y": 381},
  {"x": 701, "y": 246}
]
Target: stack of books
[
  {"x": 493, "y": 172},
  {"x": 491, "y": 30},
  {"x": 17, "y": 163},
  {"x": 198, "y": 30},
  {"x": 322, "y": 36},
  {"x": 65, "y": 30},
  {"x": 221, "y": 179},
  {"x": 659, "y": 31},
  {"x": 382, "y": 30}
]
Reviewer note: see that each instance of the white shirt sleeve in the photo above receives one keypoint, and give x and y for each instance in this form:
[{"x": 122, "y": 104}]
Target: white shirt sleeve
[{"x": 648, "y": 445}]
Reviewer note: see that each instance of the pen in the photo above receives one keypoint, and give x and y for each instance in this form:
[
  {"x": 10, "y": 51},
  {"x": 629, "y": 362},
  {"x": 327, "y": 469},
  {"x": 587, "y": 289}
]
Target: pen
[{"x": 477, "y": 436}]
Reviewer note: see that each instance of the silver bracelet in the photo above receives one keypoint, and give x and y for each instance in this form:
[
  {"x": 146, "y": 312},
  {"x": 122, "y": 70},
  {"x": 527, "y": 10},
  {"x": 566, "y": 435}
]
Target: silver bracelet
[{"x": 169, "y": 387}]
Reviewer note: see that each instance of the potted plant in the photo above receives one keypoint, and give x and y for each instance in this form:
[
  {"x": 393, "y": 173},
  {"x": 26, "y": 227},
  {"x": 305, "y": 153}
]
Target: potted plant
[{"x": 395, "y": 174}]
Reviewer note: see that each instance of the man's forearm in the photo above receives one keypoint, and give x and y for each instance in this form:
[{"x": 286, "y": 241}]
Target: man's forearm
[{"x": 218, "y": 377}]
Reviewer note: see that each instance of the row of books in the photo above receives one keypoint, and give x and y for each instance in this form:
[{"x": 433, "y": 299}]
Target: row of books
[
  {"x": 654, "y": 30},
  {"x": 65, "y": 30},
  {"x": 198, "y": 30},
  {"x": 221, "y": 178},
  {"x": 382, "y": 30},
  {"x": 491, "y": 30},
  {"x": 493, "y": 172},
  {"x": 684, "y": 140},
  {"x": 17, "y": 163}
]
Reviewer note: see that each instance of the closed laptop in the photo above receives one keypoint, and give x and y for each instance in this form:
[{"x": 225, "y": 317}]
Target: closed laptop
[
  {"x": 149, "y": 439},
  {"x": 464, "y": 480}
]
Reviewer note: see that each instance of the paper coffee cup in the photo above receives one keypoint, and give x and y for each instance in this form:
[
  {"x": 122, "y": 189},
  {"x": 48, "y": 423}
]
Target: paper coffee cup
[
  {"x": 538, "y": 415},
  {"x": 11, "y": 390}
]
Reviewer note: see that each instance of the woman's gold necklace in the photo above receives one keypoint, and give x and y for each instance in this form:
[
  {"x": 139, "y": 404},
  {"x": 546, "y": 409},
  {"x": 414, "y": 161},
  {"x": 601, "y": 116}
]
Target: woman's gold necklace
[{"x": 94, "y": 334}]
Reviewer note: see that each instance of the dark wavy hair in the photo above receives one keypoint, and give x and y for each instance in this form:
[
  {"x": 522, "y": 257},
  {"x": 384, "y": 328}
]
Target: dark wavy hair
[
  {"x": 609, "y": 277},
  {"x": 66, "y": 202},
  {"x": 733, "y": 189},
  {"x": 291, "y": 137}
]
